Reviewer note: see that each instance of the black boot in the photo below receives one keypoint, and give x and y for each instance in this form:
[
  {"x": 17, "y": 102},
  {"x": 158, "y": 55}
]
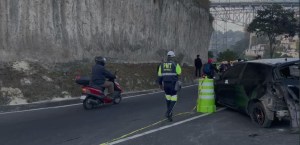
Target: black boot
[
  {"x": 168, "y": 103},
  {"x": 170, "y": 118},
  {"x": 168, "y": 108}
]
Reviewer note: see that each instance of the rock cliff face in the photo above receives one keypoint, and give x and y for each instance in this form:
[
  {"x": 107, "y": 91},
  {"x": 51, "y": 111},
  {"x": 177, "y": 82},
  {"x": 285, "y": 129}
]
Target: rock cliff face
[{"x": 130, "y": 30}]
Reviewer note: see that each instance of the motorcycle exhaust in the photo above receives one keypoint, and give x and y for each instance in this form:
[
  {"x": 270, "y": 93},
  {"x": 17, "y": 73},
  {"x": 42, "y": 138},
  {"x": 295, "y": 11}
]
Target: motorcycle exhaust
[{"x": 92, "y": 101}]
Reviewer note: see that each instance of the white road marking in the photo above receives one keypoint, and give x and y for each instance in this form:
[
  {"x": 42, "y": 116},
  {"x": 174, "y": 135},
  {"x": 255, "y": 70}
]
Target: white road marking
[
  {"x": 63, "y": 106},
  {"x": 160, "y": 128},
  {"x": 140, "y": 91},
  {"x": 41, "y": 109}
]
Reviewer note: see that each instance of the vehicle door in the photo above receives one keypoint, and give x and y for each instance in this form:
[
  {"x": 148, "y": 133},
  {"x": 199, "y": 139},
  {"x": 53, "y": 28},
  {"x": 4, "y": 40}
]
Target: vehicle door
[
  {"x": 253, "y": 83},
  {"x": 225, "y": 86}
]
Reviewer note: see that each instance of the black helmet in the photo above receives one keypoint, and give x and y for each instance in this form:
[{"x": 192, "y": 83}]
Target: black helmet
[{"x": 100, "y": 60}]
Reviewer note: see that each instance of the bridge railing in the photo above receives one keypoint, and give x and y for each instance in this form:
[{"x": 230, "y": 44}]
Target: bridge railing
[
  {"x": 216, "y": 1},
  {"x": 252, "y": 4}
]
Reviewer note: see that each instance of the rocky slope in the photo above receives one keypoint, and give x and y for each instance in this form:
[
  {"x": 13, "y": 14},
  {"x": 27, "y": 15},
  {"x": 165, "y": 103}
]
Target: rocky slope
[{"x": 124, "y": 30}]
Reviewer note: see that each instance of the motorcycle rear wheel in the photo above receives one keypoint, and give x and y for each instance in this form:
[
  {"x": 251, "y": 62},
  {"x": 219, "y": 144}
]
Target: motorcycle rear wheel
[{"x": 87, "y": 105}]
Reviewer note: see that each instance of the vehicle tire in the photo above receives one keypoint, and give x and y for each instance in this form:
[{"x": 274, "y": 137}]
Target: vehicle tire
[
  {"x": 87, "y": 104},
  {"x": 118, "y": 98},
  {"x": 258, "y": 115}
]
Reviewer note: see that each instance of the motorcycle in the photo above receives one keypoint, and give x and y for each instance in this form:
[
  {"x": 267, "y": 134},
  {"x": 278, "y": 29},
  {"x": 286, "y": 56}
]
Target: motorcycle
[{"x": 93, "y": 97}]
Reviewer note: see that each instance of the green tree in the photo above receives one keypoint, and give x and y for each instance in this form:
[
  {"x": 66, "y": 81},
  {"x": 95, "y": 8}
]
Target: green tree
[
  {"x": 272, "y": 22},
  {"x": 210, "y": 54},
  {"x": 227, "y": 55}
]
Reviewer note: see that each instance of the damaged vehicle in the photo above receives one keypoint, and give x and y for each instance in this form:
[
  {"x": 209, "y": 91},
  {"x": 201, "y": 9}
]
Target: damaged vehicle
[{"x": 265, "y": 89}]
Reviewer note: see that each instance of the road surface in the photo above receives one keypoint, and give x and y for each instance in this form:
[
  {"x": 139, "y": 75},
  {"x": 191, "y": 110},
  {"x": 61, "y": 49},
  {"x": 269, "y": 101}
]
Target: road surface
[{"x": 141, "y": 118}]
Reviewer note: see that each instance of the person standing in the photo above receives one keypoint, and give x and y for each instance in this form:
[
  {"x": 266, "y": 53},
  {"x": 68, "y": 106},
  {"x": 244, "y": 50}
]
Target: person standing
[
  {"x": 198, "y": 66},
  {"x": 209, "y": 69},
  {"x": 224, "y": 66},
  {"x": 168, "y": 73}
]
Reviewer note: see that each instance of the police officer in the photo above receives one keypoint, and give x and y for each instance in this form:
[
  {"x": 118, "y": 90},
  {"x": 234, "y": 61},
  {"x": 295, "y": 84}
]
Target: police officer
[{"x": 168, "y": 73}]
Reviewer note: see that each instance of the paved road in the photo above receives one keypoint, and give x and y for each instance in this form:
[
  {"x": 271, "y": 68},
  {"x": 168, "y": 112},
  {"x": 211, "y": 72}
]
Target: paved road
[{"x": 74, "y": 126}]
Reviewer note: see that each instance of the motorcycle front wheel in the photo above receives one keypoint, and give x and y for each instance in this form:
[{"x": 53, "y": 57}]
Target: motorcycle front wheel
[{"x": 118, "y": 98}]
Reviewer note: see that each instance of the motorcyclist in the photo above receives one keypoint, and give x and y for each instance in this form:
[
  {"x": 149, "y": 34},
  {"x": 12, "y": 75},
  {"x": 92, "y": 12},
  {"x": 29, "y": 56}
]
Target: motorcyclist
[{"x": 100, "y": 76}]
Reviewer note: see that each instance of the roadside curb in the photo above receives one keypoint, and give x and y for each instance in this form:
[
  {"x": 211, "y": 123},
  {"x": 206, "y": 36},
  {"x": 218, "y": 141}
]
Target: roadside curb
[
  {"x": 45, "y": 104},
  {"x": 75, "y": 100}
]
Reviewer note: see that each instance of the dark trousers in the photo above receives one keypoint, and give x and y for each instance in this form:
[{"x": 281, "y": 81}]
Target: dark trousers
[
  {"x": 198, "y": 72},
  {"x": 169, "y": 88}
]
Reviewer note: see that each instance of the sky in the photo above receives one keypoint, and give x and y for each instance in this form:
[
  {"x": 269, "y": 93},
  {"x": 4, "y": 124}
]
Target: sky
[{"x": 235, "y": 27}]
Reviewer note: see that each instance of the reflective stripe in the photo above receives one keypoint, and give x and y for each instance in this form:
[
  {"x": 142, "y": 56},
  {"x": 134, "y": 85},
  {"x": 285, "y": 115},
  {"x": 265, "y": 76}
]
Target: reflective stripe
[
  {"x": 206, "y": 94},
  {"x": 174, "y": 98},
  {"x": 207, "y": 91},
  {"x": 168, "y": 97},
  {"x": 178, "y": 69},
  {"x": 171, "y": 98},
  {"x": 168, "y": 74},
  {"x": 207, "y": 97},
  {"x": 207, "y": 84},
  {"x": 159, "y": 71}
]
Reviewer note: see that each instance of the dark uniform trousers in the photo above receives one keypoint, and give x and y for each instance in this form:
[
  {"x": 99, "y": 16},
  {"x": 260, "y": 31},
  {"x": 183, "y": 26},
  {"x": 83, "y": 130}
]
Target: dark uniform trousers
[{"x": 171, "y": 94}]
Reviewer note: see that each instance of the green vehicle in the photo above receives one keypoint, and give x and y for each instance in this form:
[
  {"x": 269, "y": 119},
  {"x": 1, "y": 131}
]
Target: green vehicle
[{"x": 265, "y": 89}]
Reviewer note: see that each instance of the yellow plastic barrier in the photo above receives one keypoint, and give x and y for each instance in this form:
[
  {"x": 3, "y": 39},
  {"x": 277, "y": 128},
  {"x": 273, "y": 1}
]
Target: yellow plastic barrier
[{"x": 206, "y": 99}]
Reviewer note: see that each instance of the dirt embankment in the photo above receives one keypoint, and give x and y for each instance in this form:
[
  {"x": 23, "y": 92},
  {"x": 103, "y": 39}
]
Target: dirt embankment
[{"x": 27, "y": 82}]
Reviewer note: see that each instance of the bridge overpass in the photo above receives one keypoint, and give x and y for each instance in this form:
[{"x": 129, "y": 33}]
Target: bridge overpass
[
  {"x": 252, "y": 3},
  {"x": 236, "y": 14},
  {"x": 241, "y": 12}
]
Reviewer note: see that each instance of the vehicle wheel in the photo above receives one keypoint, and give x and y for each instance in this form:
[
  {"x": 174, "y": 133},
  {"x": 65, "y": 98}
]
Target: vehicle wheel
[
  {"x": 87, "y": 104},
  {"x": 118, "y": 99},
  {"x": 258, "y": 115}
]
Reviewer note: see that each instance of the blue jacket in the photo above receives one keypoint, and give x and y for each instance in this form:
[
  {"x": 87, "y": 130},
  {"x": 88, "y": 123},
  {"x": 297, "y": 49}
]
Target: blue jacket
[{"x": 99, "y": 75}]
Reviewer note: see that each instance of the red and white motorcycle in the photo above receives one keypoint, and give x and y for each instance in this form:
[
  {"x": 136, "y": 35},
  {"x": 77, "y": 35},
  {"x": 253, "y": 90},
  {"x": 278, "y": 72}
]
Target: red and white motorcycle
[{"x": 93, "y": 97}]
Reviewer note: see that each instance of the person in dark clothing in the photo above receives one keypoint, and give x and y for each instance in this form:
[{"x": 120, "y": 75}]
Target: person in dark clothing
[
  {"x": 224, "y": 66},
  {"x": 228, "y": 64},
  {"x": 100, "y": 76},
  {"x": 209, "y": 69},
  {"x": 198, "y": 66}
]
